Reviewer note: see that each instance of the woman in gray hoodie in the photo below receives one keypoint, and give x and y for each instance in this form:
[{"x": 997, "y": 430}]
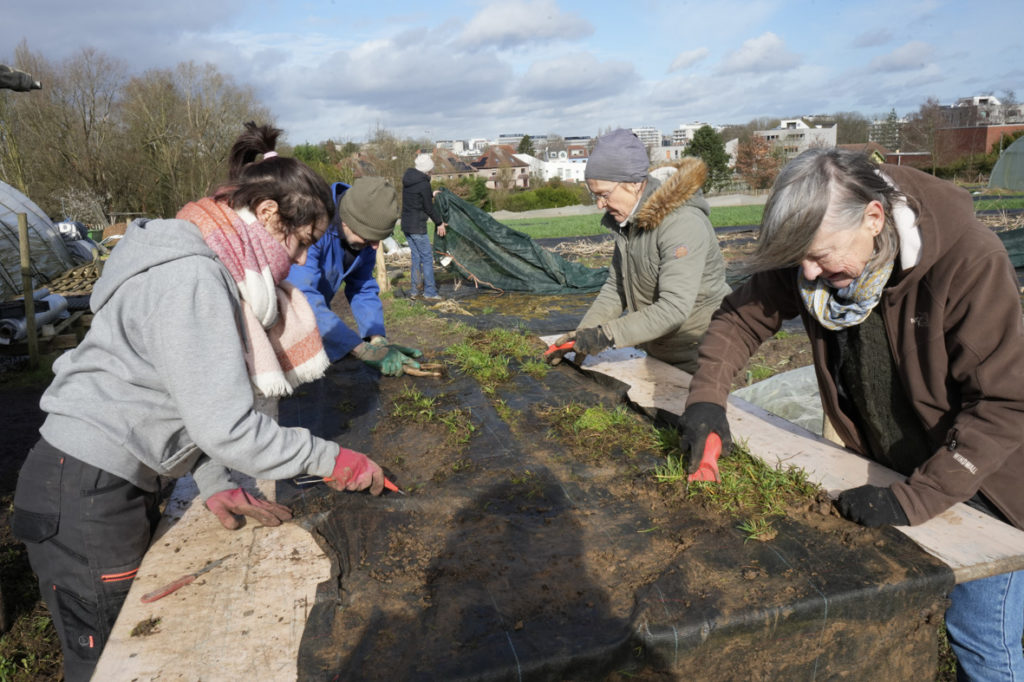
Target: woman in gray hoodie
[{"x": 192, "y": 320}]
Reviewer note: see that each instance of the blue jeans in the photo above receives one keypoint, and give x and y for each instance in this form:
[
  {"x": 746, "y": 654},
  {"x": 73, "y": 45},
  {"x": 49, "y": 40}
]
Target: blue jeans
[
  {"x": 422, "y": 264},
  {"x": 985, "y": 622}
]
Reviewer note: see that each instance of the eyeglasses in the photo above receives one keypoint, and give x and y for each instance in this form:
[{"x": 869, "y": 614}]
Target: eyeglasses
[{"x": 603, "y": 196}]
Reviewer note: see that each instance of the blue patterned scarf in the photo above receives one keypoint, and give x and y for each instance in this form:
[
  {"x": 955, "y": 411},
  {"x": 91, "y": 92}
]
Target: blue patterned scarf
[{"x": 839, "y": 308}]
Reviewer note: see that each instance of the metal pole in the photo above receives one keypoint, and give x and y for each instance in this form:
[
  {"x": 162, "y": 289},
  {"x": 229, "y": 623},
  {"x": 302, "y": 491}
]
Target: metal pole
[{"x": 26, "y": 290}]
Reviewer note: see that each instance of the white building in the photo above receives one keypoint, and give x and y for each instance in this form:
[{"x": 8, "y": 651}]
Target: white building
[
  {"x": 683, "y": 134},
  {"x": 795, "y": 136},
  {"x": 454, "y": 146},
  {"x": 559, "y": 167},
  {"x": 649, "y": 135}
]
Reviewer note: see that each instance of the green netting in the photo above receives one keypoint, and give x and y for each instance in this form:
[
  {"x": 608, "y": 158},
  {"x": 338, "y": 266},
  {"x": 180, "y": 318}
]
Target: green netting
[
  {"x": 494, "y": 255},
  {"x": 1009, "y": 169}
]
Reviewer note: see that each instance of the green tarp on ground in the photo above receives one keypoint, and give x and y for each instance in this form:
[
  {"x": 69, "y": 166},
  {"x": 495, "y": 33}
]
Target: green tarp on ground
[{"x": 493, "y": 255}]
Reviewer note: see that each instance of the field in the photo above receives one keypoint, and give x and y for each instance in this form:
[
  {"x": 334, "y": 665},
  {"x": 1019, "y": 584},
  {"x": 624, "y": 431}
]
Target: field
[{"x": 28, "y": 649}]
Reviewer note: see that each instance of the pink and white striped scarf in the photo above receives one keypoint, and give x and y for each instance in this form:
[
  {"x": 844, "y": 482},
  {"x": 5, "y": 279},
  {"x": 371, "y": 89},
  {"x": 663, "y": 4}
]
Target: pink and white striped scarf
[{"x": 284, "y": 347}]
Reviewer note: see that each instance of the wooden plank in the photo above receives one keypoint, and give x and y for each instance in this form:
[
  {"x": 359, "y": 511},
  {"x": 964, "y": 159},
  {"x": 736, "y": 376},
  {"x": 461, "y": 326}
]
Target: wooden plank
[
  {"x": 972, "y": 544},
  {"x": 242, "y": 620}
]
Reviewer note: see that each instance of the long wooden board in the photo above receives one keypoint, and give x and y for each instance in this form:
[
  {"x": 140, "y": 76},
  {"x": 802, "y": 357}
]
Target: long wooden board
[
  {"x": 240, "y": 621},
  {"x": 972, "y": 544}
]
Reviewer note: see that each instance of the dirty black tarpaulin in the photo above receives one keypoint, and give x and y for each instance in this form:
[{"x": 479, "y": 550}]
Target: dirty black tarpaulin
[{"x": 510, "y": 559}]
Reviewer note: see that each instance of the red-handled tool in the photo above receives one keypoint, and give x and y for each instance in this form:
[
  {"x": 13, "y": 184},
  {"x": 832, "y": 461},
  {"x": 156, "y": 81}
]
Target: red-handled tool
[
  {"x": 707, "y": 470},
  {"x": 567, "y": 346},
  {"x": 310, "y": 480},
  {"x": 182, "y": 581}
]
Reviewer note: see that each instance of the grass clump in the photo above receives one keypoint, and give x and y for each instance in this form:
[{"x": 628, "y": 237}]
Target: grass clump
[
  {"x": 487, "y": 356},
  {"x": 413, "y": 406},
  {"x": 750, "y": 489},
  {"x": 598, "y": 431},
  {"x": 401, "y": 309}
]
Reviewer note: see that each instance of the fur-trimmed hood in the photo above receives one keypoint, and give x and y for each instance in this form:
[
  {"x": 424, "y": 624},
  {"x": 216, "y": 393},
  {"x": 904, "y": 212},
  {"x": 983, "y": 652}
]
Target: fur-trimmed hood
[{"x": 676, "y": 190}]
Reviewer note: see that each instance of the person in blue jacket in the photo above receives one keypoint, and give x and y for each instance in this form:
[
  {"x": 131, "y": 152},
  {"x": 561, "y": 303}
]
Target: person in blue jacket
[{"x": 345, "y": 256}]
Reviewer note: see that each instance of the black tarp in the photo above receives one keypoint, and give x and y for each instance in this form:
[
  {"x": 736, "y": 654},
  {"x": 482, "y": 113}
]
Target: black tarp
[{"x": 512, "y": 559}]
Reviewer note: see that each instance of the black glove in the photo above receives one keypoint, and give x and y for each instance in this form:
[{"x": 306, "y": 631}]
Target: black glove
[
  {"x": 871, "y": 506},
  {"x": 591, "y": 340},
  {"x": 697, "y": 422}
]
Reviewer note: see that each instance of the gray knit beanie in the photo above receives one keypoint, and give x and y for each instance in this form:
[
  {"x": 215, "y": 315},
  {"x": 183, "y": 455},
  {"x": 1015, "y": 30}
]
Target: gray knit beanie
[
  {"x": 618, "y": 156},
  {"x": 423, "y": 163},
  {"x": 370, "y": 208}
]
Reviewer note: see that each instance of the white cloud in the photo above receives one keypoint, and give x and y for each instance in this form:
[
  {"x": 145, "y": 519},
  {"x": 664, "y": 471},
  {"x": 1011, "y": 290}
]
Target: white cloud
[
  {"x": 764, "y": 54},
  {"x": 509, "y": 24},
  {"x": 909, "y": 57},
  {"x": 573, "y": 77},
  {"x": 687, "y": 59}
]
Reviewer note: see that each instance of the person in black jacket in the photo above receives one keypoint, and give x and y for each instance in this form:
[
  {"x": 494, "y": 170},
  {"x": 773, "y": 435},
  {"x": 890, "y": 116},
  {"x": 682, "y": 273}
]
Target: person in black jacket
[{"x": 417, "y": 206}]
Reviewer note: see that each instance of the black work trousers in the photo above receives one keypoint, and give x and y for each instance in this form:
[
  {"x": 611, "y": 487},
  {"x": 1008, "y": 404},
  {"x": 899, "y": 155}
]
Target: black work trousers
[{"x": 86, "y": 531}]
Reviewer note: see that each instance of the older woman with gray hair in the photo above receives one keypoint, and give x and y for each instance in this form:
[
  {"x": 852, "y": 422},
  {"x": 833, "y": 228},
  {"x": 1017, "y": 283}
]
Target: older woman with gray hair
[
  {"x": 667, "y": 274},
  {"x": 913, "y": 313}
]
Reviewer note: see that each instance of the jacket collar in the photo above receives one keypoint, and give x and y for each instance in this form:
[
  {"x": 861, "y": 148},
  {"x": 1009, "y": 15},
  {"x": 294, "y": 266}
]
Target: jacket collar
[{"x": 675, "y": 191}]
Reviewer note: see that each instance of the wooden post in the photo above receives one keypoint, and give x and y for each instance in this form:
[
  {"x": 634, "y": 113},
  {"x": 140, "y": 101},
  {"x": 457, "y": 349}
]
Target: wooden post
[
  {"x": 382, "y": 271},
  {"x": 26, "y": 290}
]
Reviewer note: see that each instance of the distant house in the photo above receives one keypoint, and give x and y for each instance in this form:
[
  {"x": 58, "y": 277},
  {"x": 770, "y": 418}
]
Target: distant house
[
  {"x": 921, "y": 160},
  {"x": 499, "y": 167},
  {"x": 794, "y": 136},
  {"x": 557, "y": 165},
  {"x": 577, "y": 153},
  {"x": 670, "y": 154},
  {"x": 877, "y": 152},
  {"x": 363, "y": 164},
  {"x": 448, "y": 166}
]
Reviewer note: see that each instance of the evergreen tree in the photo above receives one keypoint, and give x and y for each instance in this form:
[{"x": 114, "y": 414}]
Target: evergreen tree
[
  {"x": 526, "y": 146},
  {"x": 709, "y": 147}
]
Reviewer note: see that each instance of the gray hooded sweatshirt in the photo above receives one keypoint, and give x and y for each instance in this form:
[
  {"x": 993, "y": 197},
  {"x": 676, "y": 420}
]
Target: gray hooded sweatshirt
[{"x": 160, "y": 378}]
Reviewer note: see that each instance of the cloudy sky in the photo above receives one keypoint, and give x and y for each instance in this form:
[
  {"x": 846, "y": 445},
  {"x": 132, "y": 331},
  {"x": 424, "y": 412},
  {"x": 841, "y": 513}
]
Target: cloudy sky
[{"x": 442, "y": 69}]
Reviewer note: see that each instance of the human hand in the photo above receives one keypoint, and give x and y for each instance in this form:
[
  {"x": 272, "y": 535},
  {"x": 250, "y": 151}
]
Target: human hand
[
  {"x": 554, "y": 354},
  {"x": 871, "y": 506},
  {"x": 441, "y": 229},
  {"x": 228, "y": 505},
  {"x": 372, "y": 353},
  {"x": 696, "y": 423},
  {"x": 355, "y": 471},
  {"x": 591, "y": 340}
]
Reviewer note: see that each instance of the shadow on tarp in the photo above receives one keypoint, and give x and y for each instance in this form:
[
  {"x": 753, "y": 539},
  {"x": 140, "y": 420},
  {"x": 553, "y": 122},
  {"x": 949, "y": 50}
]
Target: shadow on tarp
[{"x": 510, "y": 558}]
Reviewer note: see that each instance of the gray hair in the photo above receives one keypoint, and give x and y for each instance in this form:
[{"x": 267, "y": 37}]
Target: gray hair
[{"x": 818, "y": 183}]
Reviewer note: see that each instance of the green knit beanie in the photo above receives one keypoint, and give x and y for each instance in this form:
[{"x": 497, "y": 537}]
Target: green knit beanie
[{"x": 370, "y": 208}]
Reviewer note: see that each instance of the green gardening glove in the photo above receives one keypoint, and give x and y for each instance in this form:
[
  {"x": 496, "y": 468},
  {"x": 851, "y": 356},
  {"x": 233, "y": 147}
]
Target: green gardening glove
[{"x": 389, "y": 358}]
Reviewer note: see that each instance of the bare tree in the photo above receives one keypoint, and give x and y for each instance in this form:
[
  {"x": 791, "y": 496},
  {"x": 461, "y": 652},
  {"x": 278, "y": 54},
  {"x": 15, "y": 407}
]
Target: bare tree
[
  {"x": 68, "y": 132},
  {"x": 920, "y": 133},
  {"x": 758, "y": 162},
  {"x": 181, "y": 124}
]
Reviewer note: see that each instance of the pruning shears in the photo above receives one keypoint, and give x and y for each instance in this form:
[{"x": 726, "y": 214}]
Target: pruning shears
[
  {"x": 182, "y": 581},
  {"x": 312, "y": 480},
  {"x": 555, "y": 352},
  {"x": 707, "y": 470}
]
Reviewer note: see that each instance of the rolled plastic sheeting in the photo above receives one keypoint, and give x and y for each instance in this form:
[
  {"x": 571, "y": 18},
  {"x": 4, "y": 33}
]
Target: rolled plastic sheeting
[{"x": 16, "y": 329}]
